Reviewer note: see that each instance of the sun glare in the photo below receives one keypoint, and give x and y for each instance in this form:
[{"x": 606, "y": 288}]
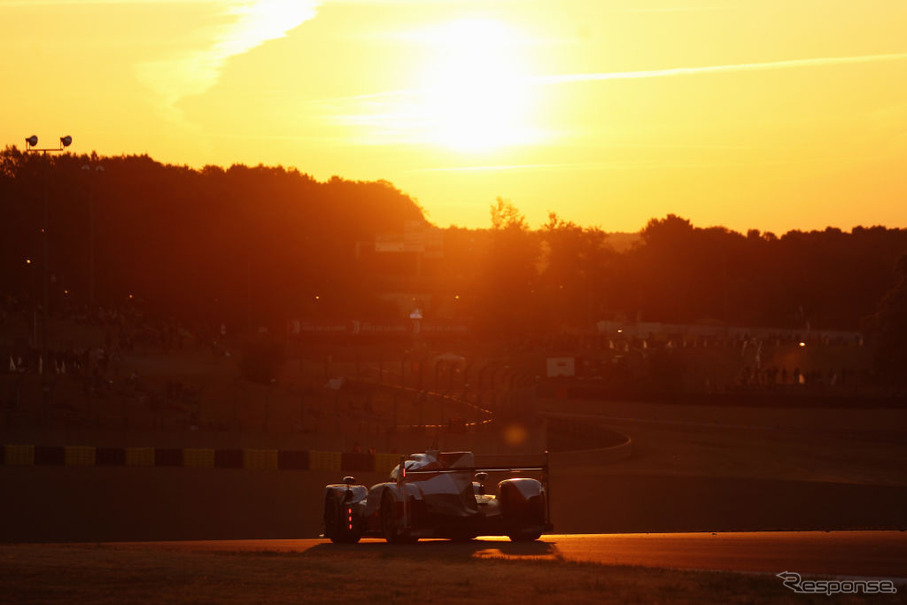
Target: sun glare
[{"x": 475, "y": 93}]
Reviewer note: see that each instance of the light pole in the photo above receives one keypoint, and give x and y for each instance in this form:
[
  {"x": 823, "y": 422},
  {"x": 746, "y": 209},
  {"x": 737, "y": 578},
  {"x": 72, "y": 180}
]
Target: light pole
[
  {"x": 98, "y": 170},
  {"x": 31, "y": 145}
]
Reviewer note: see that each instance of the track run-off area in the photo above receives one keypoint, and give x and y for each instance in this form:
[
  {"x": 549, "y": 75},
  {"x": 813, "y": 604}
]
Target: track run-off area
[
  {"x": 562, "y": 569},
  {"x": 848, "y": 554}
]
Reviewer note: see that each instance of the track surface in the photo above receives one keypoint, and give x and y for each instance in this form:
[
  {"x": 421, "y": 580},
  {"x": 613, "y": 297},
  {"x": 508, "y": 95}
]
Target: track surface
[{"x": 880, "y": 554}]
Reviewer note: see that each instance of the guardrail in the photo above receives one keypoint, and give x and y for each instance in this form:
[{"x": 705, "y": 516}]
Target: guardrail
[
  {"x": 581, "y": 439},
  {"x": 586, "y": 443},
  {"x": 249, "y": 459}
]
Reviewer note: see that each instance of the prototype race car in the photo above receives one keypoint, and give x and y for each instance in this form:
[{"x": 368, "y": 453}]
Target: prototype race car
[{"x": 439, "y": 495}]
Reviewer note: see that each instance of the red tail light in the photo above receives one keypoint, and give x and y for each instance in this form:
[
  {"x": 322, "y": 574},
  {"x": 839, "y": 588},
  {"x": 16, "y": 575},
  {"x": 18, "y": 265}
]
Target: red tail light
[{"x": 349, "y": 518}]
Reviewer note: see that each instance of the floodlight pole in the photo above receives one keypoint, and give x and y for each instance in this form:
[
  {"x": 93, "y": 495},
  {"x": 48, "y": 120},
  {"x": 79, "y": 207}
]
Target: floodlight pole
[
  {"x": 91, "y": 245},
  {"x": 31, "y": 147}
]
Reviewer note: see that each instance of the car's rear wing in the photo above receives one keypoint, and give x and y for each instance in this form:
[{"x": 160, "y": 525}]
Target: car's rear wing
[
  {"x": 475, "y": 469},
  {"x": 486, "y": 468}
]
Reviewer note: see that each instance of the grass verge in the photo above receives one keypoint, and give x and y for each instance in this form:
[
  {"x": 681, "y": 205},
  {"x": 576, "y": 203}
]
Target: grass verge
[{"x": 378, "y": 573}]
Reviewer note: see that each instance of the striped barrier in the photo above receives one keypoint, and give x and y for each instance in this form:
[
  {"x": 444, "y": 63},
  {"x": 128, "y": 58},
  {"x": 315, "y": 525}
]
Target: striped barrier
[
  {"x": 246, "y": 459},
  {"x": 385, "y": 463},
  {"x": 198, "y": 458},
  {"x": 18, "y": 455},
  {"x": 79, "y": 455},
  {"x": 110, "y": 456},
  {"x": 357, "y": 461},
  {"x": 325, "y": 461},
  {"x": 139, "y": 456},
  {"x": 228, "y": 459},
  {"x": 260, "y": 460},
  {"x": 167, "y": 456},
  {"x": 297, "y": 460},
  {"x": 50, "y": 455}
]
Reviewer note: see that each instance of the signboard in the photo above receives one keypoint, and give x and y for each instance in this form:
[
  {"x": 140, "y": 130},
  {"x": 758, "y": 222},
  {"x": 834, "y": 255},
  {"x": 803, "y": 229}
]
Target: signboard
[{"x": 561, "y": 366}]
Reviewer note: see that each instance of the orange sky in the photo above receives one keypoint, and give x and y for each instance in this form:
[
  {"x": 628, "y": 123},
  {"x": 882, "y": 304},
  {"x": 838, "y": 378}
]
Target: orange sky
[{"x": 768, "y": 114}]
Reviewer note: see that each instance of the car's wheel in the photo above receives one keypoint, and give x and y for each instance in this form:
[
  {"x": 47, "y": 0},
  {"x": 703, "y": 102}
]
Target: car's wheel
[
  {"x": 389, "y": 516},
  {"x": 333, "y": 525},
  {"x": 525, "y": 536},
  {"x": 462, "y": 538},
  {"x": 390, "y": 525}
]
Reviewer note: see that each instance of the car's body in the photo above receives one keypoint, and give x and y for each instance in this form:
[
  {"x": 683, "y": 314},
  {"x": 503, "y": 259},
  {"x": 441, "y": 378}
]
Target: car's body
[{"x": 439, "y": 495}]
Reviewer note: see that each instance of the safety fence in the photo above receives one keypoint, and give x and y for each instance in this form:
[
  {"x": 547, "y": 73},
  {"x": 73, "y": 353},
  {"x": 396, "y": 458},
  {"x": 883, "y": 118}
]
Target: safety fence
[{"x": 249, "y": 459}]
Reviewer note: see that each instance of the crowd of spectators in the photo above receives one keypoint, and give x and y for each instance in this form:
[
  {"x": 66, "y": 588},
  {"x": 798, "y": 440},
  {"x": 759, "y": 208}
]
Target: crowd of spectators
[{"x": 86, "y": 351}]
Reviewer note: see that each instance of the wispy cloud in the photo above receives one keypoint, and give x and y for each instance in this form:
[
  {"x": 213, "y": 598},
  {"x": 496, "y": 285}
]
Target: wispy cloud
[
  {"x": 625, "y": 165},
  {"x": 251, "y": 24},
  {"x": 675, "y": 9},
  {"x": 717, "y": 69},
  {"x": 390, "y": 96},
  {"x": 31, "y": 3},
  {"x": 498, "y": 168},
  {"x": 400, "y": 114}
]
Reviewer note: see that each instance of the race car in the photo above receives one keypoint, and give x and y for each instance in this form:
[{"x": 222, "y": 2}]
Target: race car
[{"x": 440, "y": 495}]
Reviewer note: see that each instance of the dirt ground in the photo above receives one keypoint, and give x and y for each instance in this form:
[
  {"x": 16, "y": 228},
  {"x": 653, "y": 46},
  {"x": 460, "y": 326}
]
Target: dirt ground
[{"x": 441, "y": 573}]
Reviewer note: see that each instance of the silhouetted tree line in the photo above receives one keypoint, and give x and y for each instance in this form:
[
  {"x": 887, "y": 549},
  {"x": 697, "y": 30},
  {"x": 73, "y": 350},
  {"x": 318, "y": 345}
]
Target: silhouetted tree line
[
  {"x": 256, "y": 245},
  {"x": 238, "y": 244},
  {"x": 678, "y": 273}
]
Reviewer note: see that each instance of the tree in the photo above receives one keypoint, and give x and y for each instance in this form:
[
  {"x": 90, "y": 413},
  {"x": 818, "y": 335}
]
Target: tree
[
  {"x": 504, "y": 215},
  {"x": 507, "y": 283},
  {"x": 889, "y": 328},
  {"x": 574, "y": 273}
]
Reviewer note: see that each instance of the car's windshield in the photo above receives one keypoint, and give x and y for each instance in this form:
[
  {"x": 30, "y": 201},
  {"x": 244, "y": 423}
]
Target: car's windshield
[{"x": 415, "y": 462}]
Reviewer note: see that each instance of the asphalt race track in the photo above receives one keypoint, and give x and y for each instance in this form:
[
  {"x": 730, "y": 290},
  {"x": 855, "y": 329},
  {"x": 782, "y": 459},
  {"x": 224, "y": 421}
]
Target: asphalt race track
[{"x": 850, "y": 554}]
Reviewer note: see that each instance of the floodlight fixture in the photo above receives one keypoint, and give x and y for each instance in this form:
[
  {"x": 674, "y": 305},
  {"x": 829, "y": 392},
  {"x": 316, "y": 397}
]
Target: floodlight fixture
[{"x": 31, "y": 145}]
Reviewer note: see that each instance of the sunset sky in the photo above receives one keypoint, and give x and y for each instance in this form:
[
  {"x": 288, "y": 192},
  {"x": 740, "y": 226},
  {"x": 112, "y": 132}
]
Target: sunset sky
[{"x": 767, "y": 114}]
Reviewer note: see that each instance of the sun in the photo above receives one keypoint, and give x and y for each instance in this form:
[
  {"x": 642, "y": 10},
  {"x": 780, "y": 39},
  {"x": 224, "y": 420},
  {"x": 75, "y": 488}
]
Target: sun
[{"x": 475, "y": 93}]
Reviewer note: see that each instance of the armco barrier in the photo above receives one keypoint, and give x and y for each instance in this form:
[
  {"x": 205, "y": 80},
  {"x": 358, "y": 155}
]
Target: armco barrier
[
  {"x": 228, "y": 458},
  {"x": 356, "y": 461},
  {"x": 325, "y": 461},
  {"x": 139, "y": 456},
  {"x": 601, "y": 446},
  {"x": 19, "y": 455},
  {"x": 79, "y": 455},
  {"x": 385, "y": 463},
  {"x": 168, "y": 456},
  {"x": 50, "y": 455},
  {"x": 260, "y": 460},
  {"x": 110, "y": 456},
  {"x": 198, "y": 458},
  {"x": 296, "y": 460}
]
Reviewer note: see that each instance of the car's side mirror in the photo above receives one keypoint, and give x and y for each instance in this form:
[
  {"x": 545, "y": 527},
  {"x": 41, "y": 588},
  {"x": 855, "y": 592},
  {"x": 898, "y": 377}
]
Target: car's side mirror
[{"x": 482, "y": 477}]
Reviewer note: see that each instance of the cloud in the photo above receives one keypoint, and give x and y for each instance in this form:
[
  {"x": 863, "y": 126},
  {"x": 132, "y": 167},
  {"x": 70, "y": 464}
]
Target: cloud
[
  {"x": 717, "y": 69},
  {"x": 83, "y": 3},
  {"x": 251, "y": 23},
  {"x": 675, "y": 9},
  {"x": 395, "y": 95}
]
